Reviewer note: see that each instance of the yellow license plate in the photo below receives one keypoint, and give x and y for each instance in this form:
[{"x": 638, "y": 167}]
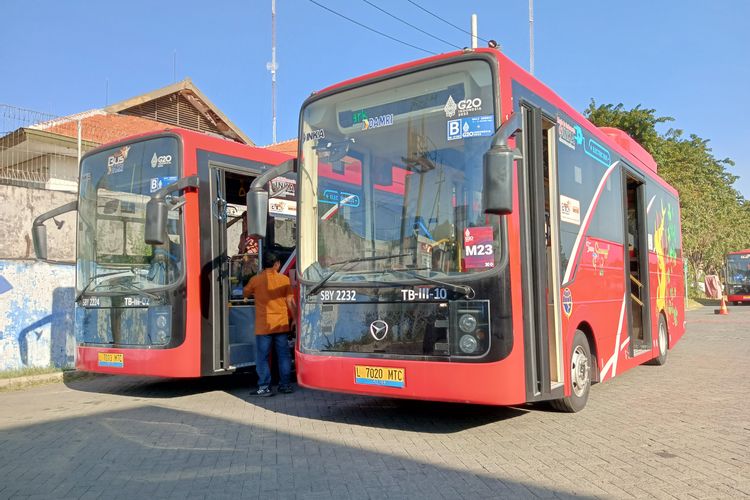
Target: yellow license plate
[
  {"x": 111, "y": 359},
  {"x": 379, "y": 375}
]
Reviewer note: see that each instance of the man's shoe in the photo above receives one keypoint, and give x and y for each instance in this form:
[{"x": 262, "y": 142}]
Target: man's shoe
[
  {"x": 286, "y": 389},
  {"x": 263, "y": 392}
]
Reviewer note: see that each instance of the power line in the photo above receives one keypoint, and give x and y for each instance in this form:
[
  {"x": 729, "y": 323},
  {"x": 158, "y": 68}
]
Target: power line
[
  {"x": 371, "y": 29},
  {"x": 445, "y": 21},
  {"x": 411, "y": 25}
]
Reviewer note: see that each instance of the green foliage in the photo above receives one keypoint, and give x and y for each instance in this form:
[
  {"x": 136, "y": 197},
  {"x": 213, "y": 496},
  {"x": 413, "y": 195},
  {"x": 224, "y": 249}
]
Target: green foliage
[{"x": 715, "y": 216}]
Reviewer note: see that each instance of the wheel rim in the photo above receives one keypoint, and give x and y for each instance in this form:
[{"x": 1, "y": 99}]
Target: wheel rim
[
  {"x": 662, "y": 339},
  {"x": 579, "y": 371}
]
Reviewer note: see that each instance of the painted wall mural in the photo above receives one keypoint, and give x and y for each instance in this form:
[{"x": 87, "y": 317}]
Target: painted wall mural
[{"x": 36, "y": 315}]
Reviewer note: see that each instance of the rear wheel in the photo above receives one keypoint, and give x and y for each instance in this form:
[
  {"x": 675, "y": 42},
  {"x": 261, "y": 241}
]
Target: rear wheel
[
  {"x": 580, "y": 376},
  {"x": 663, "y": 341}
]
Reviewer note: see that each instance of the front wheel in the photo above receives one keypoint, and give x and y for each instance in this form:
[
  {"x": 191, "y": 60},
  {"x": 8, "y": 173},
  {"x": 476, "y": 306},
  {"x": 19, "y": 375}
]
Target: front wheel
[{"x": 580, "y": 376}]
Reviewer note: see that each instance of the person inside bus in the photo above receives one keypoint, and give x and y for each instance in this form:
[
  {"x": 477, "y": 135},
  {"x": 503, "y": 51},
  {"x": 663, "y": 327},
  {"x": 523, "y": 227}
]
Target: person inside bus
[
  {"x": 248, "y": 250},
  {"x": 274, "y": 303}
]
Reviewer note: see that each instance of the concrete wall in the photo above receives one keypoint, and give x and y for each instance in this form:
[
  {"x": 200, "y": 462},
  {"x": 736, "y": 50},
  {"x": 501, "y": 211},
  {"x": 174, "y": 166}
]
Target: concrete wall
[
  {"x": 36, "y": 299},
  {"x": 19, "y": 206},
  {"x": 36, "y": 314}
]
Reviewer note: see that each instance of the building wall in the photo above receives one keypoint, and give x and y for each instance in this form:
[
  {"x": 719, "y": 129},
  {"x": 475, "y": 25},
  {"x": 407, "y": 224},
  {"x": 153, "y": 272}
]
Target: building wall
[
  {"x": 36, "y": 298},
  {"x": 19, "y": 206},
  {"x": 36, "y": 314}
]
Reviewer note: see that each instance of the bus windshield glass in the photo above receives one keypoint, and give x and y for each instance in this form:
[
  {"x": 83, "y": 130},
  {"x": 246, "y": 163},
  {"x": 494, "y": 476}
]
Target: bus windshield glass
[
  {"x": 738, "y": 270},
  {"x": 115, "y": 186},
  {"x": 391, "y": 178}
]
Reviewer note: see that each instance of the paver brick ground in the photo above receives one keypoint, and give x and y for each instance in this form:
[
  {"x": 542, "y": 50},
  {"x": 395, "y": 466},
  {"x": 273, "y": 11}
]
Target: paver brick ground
[{"x": 677, "y": 431}]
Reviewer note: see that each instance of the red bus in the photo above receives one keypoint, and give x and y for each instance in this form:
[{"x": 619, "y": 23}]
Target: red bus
[
  {"x": 161, "y": 254},
  {"x": 465, "y": 235},
  {"x": 738, "y": 276}
]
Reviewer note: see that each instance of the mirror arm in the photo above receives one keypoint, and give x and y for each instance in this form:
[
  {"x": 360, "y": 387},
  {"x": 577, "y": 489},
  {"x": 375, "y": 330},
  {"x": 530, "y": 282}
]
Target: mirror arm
[
  {"x": 184, "y": 183},
  {"x": 39, "y": 230},
  {"x": 270, "y": 174},
  {"x": 508, "y": 129},
  {"x": 68, "y": 207}
]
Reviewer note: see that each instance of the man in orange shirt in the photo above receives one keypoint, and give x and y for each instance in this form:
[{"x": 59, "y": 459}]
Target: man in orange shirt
[{"x": 273, "y": 303}]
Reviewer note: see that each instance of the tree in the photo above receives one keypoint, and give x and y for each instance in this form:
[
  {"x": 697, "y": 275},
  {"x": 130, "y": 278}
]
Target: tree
[{"x": 715, "y": 217}]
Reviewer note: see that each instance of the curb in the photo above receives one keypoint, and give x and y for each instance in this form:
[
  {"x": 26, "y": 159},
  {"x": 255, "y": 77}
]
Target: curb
[{"x": 16, "y": 383}]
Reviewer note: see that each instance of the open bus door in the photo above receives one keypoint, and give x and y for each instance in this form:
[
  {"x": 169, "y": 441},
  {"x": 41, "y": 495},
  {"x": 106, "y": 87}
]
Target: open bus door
[
  {"x": 233, "y": 261},
  {"x": 538, "y": 198},
  {"x": 233, "y": 342}
]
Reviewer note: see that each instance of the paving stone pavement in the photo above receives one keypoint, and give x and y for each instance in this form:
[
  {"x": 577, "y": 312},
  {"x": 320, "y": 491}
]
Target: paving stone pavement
[{"x": 677, "y": 431}]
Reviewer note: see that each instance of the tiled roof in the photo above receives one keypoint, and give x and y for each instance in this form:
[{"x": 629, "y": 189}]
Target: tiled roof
[
  {"x": 101, "y": 127},
  {"x": 288, "y": 147}
]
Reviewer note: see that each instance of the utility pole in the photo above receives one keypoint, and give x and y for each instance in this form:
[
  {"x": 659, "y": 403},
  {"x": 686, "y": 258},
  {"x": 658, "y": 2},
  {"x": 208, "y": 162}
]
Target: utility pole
[
  {"x": 272, "y": 67},
  {"x": 531, "y": 36},
  {"x": 473, "y": 31}
]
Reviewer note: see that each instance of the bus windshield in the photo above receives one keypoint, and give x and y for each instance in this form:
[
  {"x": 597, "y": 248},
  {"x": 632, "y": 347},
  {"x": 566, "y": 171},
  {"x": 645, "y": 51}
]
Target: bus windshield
[
  {"x": 738, "y": 270},
  {"x": 391, "y": 178},
  {"x": 115, "y": 186}
]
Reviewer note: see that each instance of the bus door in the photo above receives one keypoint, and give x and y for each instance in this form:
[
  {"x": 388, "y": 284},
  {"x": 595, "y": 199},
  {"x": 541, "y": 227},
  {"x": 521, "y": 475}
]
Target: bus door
[
  {"x": 234, "y": 260},
  {"x": 538, "y": 197},
  {"x": 636, "y": 264}
]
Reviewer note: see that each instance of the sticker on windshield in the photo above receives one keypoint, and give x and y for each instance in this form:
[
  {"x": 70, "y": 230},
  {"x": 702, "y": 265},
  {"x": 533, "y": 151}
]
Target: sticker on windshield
[
  {"x": 377, "y": 122},
  {"x": 315, "y": 135},
  {"x": 159, "y": 182},
  {"x": 464, "y": 107},
  {"x": 158, "y": 161},
  {"x": 471, "y": 126},
  {"x": 116, "y": 162},
  {"x": 479, "y": 252}
]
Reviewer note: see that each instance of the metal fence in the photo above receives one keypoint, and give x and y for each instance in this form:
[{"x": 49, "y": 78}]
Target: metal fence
[{"x": 41, "y": 150}]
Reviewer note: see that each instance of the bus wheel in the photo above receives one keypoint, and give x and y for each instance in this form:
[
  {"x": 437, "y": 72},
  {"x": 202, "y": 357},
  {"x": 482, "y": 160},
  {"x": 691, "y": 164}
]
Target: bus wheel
[
  {"x": 663, "y": 341},
  {"x": 580, "y": 376}
]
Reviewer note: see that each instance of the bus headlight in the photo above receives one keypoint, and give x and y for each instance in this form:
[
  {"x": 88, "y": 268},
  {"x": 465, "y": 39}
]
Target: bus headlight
[
  {"x": 469, "y": 327},
  {"x": 467, "y": 323},
  {"x": 468, "y": 344},
  {"x": 160, "y": 324}
]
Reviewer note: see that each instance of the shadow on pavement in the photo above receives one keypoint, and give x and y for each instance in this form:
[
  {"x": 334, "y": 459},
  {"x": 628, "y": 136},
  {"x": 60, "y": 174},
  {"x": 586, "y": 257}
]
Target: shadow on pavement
[
  {"x": 159, "y": 452},
  {"x": 386, "y": 413}
]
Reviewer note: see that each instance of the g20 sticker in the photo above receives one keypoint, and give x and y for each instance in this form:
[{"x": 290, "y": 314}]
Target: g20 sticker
[
  {"x": 463, "y": 107},
  {"x": 479, "y": 251},
  {"x": 158, "y": 161},
  {"x": 567, "y": 302},
  {"x": 471, "y": 126}
]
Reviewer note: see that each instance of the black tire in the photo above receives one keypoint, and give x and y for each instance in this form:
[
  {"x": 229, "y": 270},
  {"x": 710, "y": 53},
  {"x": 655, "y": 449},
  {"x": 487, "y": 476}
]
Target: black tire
[
  {"x": 663, "y": 341},
  {"x": 580, "y": 379}
]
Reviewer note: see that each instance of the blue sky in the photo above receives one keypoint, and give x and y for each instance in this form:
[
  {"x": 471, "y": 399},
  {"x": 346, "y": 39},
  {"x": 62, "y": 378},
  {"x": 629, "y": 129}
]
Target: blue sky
[{"x": 687, "y": 59}]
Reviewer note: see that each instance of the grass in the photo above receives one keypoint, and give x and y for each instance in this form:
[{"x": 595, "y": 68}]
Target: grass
[{"x": 28, "y": 372}]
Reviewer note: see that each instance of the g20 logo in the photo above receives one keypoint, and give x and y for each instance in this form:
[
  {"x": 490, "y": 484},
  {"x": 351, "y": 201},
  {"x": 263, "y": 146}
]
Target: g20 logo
[{"x": 469, "y": 105}]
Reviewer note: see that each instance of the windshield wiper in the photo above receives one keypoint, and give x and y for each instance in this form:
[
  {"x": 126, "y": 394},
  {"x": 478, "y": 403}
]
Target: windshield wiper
[
  {"x": 327, "y": 277},
  {"x": 468, "y": 291},
  {"x": 100, "y": 275}
]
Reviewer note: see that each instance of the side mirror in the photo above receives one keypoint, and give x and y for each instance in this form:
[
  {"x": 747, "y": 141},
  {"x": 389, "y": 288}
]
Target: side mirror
[
  {"x": 497, "y": 195},
  {"x": 257, "y": 198},
  {"x": 39, "y": 230},
  {"x": 156, "y": 221},
  {"x": 257, "y": 212},
  {"x": 39, "y": 235},
  {"x": 157, "y": 209}
]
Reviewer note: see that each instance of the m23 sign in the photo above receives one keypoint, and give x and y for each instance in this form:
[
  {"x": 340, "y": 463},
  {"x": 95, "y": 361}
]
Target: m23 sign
[{"x": 479, "y": 251}]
